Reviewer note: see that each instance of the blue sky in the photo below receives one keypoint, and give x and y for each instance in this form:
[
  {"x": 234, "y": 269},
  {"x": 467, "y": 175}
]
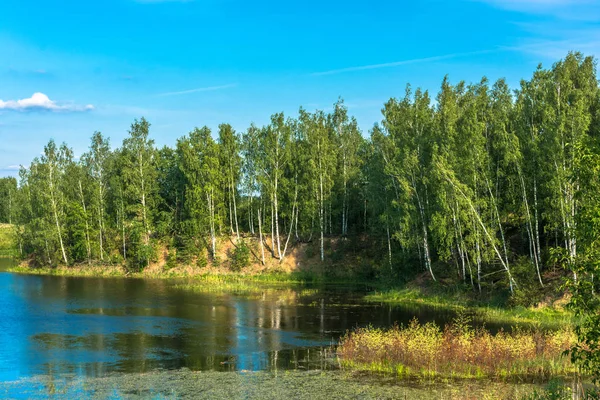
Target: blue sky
[{"x": 96, "y": 66}]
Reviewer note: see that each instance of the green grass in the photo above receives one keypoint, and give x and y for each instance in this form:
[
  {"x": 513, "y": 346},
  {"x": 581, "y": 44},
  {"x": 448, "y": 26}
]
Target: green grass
[
  {"x": 97, "y": 271},
  {"x": 242, "y": 286},
  {"x": 271, "y": 278},
  {"x": 547, "y": 317}
]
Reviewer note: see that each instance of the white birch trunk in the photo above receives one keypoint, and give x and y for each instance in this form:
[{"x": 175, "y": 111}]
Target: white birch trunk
[
  {"x": 87, "y": 228},
  {"x": 55, "y": 212},
  {"x": 262, "y": 246},
  {"x": 489, "y": 237}
]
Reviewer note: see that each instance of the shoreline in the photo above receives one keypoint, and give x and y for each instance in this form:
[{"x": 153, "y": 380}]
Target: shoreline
[
  {"x": 267, "y": 276},
  {"x": 358, "y": 346},
  {"x": 546, "y": 316}
]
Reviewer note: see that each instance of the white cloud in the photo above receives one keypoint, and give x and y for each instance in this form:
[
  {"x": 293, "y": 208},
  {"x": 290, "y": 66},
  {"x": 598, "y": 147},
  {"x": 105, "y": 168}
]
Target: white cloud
[
  {"x": 575, "y": 10},
  {"x": 39, "y": 101},
  {"x": 540, "y": 3},
  {"x": 557, "y": 49},
  {"x": 524, "y": 5},
  {"x": 554, "y": 27}
]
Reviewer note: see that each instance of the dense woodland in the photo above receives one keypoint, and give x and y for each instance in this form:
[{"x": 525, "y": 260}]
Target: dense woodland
[{"x": 479, "y": 182}]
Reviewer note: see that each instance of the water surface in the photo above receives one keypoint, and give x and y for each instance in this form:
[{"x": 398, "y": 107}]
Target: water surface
[{"x": 94, "y": 326}]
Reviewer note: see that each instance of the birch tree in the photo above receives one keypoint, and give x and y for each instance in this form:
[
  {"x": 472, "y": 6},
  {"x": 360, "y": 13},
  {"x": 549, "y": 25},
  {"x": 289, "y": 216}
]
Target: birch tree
[
  {"x": 321, "y": 163},
  {"x": 274, "y": 146},
  {"x": 199, "y": 163},
  {"x": 96, "y": 161},
  {"x": 52, "y": 167},
  {"x": 408, "y": 122},
  {"x": 348, "y": 141},
  {"x": 140, "y": 185},
  {"x": 229, "y": 144},
  {"x": 570, "y": 95},
  {"x": 249, "y": 170}
]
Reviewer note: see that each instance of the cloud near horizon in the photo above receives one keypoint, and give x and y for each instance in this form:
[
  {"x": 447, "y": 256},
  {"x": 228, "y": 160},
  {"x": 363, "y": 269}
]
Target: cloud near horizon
[{"x": 39, "y": 101}]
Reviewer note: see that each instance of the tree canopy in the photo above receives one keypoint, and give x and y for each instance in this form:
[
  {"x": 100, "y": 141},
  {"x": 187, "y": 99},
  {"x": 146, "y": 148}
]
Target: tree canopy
[{"x": 488, "y": 185}]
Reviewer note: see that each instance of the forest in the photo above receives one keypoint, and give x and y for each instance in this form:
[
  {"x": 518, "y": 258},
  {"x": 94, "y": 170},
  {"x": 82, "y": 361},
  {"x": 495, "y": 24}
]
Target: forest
[{"x": 480, "y": 182}]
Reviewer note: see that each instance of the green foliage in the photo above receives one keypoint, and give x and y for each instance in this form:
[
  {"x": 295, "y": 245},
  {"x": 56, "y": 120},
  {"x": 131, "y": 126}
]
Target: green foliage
[
  {"x": 171, "y": 261},
  {"x": 199, "y": 164},
  {"x": 116, "y": 258},
  {"x": 139, "y": 254},
  {"x": 528, "y": 292},
  {"x": 8, "y": 200},
  {"x": 485, "y": 188},
  {"x": 240, "y": 257},
  {"x": 201, "y": 260},
  {"x": 585, "y": 303}
]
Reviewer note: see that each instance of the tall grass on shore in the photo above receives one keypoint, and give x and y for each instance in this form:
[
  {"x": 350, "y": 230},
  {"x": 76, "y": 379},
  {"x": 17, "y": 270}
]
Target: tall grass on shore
[
  {"x": 195, "y": 275},
  {"x": 458, "y": 351}
]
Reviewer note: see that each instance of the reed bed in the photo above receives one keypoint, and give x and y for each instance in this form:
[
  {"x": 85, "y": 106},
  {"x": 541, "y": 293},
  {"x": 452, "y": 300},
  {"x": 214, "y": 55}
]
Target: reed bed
[{"x": 458, "y": 351}]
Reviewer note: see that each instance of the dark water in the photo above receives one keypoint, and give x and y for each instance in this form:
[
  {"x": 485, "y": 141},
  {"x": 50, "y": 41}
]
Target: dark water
[{"x": 96, "y": 326}]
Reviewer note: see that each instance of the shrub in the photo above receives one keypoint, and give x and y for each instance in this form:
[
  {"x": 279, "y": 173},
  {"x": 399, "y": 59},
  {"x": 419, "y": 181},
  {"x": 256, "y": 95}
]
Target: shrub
[
  {"x": 171, "y": 259},
  {"x": 528, "y": 292},
  {"x": 240, "y": 257},
  {"x": 202, "y": 260}
]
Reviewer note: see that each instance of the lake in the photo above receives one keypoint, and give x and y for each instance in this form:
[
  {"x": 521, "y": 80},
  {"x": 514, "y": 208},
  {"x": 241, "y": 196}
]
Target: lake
[{"x": 54, "y": 327}]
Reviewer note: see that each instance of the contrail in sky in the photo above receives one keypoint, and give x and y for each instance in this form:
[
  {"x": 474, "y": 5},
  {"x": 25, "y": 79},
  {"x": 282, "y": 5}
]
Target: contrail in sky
[
  {"x": 204, "y": 89},
  {"x": 406, "y": 62}
]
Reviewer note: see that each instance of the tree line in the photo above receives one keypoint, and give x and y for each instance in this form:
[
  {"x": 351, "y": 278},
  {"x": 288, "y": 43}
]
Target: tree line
[{"x": 481, "y": 182}]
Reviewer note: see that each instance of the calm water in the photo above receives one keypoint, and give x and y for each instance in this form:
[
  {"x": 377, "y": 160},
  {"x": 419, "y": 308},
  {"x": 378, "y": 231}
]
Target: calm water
[{"x": 93, "y": 326}]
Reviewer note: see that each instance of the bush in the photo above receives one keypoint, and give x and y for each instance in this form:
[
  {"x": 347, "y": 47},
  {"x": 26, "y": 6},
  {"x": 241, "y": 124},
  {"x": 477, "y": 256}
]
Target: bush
[
  {"x": 202, "y": 260},
  {"x": 116, "y": 258},
  {"x": 240, "y": 258},
  {"x": 186, "y": 249},
  {"x": 528, "y": 291},
  {"x": 171, "y": 259}
]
